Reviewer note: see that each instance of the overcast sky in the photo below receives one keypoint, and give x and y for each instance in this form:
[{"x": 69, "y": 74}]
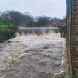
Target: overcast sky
[{"x": 53, "y": 8}]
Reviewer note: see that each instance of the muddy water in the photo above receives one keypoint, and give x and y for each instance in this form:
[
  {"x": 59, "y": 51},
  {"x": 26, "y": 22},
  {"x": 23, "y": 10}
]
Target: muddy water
[{"x": 32, "y": 56}]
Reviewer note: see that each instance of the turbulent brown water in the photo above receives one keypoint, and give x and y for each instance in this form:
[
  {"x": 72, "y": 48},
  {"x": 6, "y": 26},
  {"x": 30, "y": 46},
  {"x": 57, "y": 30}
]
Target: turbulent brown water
[{"x": 32, "y": 56}]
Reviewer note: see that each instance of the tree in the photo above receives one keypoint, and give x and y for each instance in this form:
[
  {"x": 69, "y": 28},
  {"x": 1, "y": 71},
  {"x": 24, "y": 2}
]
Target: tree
[
  {"x": 42, "y": 21},
  {"x": 18, "y": 18}
]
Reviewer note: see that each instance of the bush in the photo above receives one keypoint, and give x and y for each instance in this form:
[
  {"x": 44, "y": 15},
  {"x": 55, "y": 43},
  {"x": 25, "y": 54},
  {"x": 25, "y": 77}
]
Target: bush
[{"x": 7, "y": 30}]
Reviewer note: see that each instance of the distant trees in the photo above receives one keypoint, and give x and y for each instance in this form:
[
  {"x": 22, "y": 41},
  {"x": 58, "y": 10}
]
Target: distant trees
[
  {"x": 17, "y": 17},
  {"x": 42, "y": 21},
  {"x": 21, "y": 19}
]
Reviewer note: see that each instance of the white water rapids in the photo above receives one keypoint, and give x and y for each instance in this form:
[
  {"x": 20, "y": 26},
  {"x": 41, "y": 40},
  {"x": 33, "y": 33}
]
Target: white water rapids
[{"x": 32, "y": 56}]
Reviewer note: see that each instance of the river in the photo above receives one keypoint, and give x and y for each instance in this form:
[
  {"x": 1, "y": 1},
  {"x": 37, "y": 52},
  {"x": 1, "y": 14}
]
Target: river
[{"x": 32, "y": 56}]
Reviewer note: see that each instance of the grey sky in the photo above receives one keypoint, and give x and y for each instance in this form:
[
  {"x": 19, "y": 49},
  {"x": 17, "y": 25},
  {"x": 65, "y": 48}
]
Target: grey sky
[{"x": 53, "y": 8}]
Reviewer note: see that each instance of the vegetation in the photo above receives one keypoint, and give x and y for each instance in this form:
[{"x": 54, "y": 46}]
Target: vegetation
[
  {"x": 7, "y": 30},
  {"x": 21, "y": 19}
]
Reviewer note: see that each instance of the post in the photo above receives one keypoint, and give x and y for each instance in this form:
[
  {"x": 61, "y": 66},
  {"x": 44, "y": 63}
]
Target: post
[{"x": 72, "y": 39}]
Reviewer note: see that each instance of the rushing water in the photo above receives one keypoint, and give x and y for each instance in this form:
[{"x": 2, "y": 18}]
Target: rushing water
[{"x": 32, "y": 56}]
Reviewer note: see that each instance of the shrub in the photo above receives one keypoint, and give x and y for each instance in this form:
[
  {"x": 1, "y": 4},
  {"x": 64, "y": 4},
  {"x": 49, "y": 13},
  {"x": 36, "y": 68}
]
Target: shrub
[{"x": 7, "y": 30}]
